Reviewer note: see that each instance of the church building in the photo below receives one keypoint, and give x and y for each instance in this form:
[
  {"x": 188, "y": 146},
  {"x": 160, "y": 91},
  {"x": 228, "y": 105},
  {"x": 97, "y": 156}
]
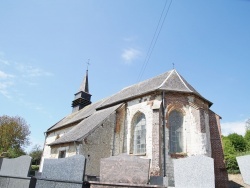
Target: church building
[{"x": 162, "y": 119}]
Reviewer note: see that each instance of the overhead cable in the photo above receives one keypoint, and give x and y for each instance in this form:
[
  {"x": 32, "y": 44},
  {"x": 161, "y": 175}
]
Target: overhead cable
[{"x": 155, "y": 38}]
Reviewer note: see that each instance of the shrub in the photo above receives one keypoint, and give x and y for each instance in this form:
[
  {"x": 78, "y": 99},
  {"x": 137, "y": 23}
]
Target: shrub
[
  {"x": 238, "y": 142},
  {"x": 33, "y": 170},
  {"x": 35, "y": 167},
  {"x": 231, "y": 164}
]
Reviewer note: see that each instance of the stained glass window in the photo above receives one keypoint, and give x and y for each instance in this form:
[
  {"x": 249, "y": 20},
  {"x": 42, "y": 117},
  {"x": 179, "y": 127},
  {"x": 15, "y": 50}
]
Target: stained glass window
[
  {"x": 176, "y": 132},
  {"x": 139, "y": 134}
]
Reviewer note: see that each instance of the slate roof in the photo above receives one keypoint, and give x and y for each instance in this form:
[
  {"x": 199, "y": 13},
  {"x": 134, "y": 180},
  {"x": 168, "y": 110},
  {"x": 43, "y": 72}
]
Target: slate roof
[
  {"x": 168, "y": 81},
  {"x": 76, "y": 116},
  {"x": 91, "y": 116},
  {"x": 86, "y": 126}
]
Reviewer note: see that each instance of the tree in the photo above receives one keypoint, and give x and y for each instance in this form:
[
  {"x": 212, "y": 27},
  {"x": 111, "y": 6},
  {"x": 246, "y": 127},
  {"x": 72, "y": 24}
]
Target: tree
[
  {"x": 36, "y": 154},
  {"x": 229, "y": 155},
  {"x": 247, "y": 139},
  {"x": 235, "y": 145},
  {"x": 238, "y": 142},
  {"x": 248, "y": 125},
  {"x": 14, "y": 132},
  {"x": 247, "y": 136},
  {"x": 227, "y": 146}
]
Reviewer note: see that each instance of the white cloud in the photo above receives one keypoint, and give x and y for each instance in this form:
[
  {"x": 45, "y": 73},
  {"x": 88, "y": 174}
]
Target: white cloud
[
  {"x": 30, "y": 71},
  {"x": 4, "y": 75},
  {"x": 21, "y": 75},
  {"x": 233, "y": 127},
  {"x": 4, "y": 86},
  {"x": 5, "y": 83},
  {"x": 128, "y": 55},
  {"x": 3, "y": 61}
]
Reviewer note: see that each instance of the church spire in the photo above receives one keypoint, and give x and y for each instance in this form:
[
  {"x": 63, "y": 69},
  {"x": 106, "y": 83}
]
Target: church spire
[
  {"x": 82, "y": 97},
  {"x": 85, "y": 84}
]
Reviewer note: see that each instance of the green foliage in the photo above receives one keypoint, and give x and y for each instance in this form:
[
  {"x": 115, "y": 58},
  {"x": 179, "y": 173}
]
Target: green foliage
[
  {"x": 231, "y": 164},
  {"x": 35, "y": 167},
  {"x": 247, "y": 139},
  {"x": 247, "y": 136},
  {"x": 229, "y": 155},
  {"x": 33, "y": 170},
  {"x": 238, "y": 142},
  {"x": 248, "y": 124},
  {"x": 15, "y": 152},
  {"x": 235, "y": 145},
  {"x": 36, "y": 154},
  {"x": 14, "y": 132},
  {"x": 228, "y": 146}
]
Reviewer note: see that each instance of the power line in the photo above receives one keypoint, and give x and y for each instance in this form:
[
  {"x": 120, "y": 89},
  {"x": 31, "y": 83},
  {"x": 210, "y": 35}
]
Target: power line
[
  {"x": 151, "y": 43},
  {"x": 154, "y": 39}
]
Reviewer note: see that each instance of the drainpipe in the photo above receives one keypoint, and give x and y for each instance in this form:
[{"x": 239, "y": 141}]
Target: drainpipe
[{"x": 164, "y": 133}]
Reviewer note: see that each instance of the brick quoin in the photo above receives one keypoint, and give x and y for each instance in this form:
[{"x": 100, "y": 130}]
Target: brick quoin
[{"x": 221, "y": 176}]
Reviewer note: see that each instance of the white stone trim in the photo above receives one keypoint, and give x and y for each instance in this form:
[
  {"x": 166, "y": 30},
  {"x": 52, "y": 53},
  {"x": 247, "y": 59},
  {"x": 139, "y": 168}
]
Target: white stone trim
[
  {"x": 183, "y": 81},
  {"x": 165, "y": 79}
]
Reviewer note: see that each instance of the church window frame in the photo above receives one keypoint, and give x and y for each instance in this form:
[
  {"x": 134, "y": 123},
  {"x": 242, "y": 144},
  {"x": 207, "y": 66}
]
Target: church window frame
[
  {"x": 62, "y": 152},
  {"x": 176, "y": 131},
  {"x": 138, "y": 134}
]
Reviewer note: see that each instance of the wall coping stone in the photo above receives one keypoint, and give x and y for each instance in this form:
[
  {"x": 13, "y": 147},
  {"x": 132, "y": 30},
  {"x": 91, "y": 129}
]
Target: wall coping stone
[{"x": 124, "y": 184}]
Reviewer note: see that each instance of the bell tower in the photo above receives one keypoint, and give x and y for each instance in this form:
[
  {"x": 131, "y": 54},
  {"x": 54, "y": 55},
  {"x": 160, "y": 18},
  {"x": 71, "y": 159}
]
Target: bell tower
[{"x": 82, "y": 97}]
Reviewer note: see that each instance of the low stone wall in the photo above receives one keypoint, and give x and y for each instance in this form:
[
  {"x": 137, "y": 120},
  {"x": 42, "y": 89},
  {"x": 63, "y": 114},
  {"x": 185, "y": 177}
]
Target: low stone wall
[
  {"x": 43, "y": 183},
  {"x": 33, "y": 182},
  {"x": 95, "y": 184}
]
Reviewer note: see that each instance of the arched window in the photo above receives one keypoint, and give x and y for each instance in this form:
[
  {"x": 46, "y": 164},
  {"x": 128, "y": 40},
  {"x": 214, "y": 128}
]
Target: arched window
[
  {"x": 176, "y": 132},
  {"x": 138, "y": 138}
]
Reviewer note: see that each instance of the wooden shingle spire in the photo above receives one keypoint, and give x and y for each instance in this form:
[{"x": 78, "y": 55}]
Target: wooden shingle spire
[{"x": 82, "y": 97}]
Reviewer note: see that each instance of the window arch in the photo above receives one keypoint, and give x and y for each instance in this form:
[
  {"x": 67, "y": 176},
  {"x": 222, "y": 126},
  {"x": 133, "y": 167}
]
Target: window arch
[
  {"x": 138, "y": 137},
  {"x": 176, "y": 131}
]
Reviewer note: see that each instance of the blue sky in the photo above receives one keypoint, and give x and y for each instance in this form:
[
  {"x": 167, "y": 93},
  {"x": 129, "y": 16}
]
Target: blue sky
[{"x": 44, "y": 47}]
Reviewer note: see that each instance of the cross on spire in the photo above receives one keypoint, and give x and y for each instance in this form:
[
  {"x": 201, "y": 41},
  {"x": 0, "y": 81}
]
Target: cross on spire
[{"x": 88, "y": 64}]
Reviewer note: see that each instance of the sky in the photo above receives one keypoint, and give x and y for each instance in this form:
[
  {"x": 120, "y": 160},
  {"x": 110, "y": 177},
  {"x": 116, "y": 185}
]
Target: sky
[{"x": 45, "y": 46}]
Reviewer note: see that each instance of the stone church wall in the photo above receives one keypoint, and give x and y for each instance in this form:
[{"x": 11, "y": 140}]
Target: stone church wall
[
  {"x": 221, "y": 176},
  {"x": 201, "y": 135},
  {"x": 142, "y": 105},
  {"x": 156, "y": 167},
  {"x": 51, "y": 137},
  {"x": 99, "y": 144},
  {"x": 120, "y": 131},
  {"x": 70, "y": 149},
  {"x": 196, "y": 134}
]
